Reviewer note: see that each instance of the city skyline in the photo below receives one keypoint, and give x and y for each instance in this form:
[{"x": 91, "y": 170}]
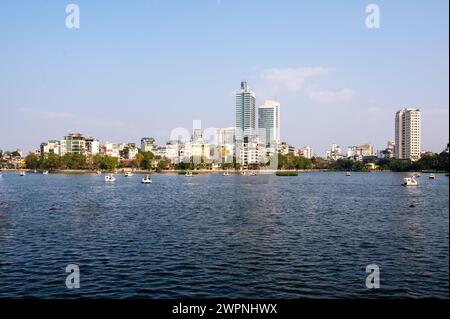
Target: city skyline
[
  {"x": 266, "y": 129},
  {"x": 102, "y": 81}
]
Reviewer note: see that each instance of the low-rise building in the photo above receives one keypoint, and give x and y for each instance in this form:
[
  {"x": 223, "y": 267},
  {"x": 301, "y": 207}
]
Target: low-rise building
[
  {"x": 76, "y": 143},
  {"x": 284, "y": 148},
  {"x": 148, "y": 144},
  {"x": 357, "y": 153},
  {"x": 334, "y": 153},
  {"x": 111, "y": 149},
  {"x": 247, "y": 152},
  {"x": 307, "y": 152},
  {"x": 50, "y": 147}
]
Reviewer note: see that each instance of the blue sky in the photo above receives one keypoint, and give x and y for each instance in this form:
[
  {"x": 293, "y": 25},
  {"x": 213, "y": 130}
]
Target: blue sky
[{"x": 143, "y": 68}]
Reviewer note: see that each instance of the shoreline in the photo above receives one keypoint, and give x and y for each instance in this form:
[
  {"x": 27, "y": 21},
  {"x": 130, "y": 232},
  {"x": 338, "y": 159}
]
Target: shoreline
[{"x": 203, "y": 172}]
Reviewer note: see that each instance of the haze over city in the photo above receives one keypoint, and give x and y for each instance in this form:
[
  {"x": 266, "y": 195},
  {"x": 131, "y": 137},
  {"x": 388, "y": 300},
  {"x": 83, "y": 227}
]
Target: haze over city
[{"x": 147, "y": 67}]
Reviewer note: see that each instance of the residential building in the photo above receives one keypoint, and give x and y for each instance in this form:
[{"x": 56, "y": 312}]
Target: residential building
[
  {"x": 388, "y": 152},
  {"x": 50, "y": 147},
  {"x": 284, "y": 148},
  {"x": 269, "y": 123},
  {"x": 92, "y": 145},
  {"x": 148, "y": 144},
  {"x": 359, "y": 152},
  {"x": 307, "y": 152},
  {"x": 172, "y": 152},
  {"x": 74, "y": 143},
  {"x": 335, "y": 153},
  {"x": 247, "y": 152},
  {"x": 408, "y": 134},
  {"x": 111, "y": 149},
  {"x": 225, "y": 147},
  {"x": 132, "y": 151}
]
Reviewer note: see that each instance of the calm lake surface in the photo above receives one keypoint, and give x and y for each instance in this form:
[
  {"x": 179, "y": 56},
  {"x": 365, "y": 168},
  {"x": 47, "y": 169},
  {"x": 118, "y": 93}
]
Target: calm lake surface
[{"x": 310, "y": 236}]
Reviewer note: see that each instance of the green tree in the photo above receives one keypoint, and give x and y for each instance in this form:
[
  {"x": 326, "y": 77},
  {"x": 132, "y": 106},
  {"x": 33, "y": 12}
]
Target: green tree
[
  {"x": 74, "y": 161},
  {"x": 358, "y": 166},
  {"x": 136, "y": 162},
  {"x": 96, "y": 161},
  {"x": 398, "y": 165},
  {"x": 303, "y": 163},
  {"x": 320, "y": 163},
  {"x": 124, "y": 153},
  {"x": 109, "y": 163},
  {"x": 51, "y": 161},
  {"x": 32, "y": 161},
  {"x": 163, "y": 164},
  {"x": 146, "y": 162}
]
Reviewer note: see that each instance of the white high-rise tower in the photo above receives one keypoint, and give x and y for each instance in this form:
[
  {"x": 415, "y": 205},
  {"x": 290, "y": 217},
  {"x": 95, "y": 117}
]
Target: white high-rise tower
[
  {"x": 407, "y": 134},
  {"x": 269, "y": 122}
]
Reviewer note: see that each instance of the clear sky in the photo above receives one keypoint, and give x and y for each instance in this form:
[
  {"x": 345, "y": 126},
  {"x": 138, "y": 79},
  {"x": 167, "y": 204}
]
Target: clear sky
[{"x": 143, "y": 68}]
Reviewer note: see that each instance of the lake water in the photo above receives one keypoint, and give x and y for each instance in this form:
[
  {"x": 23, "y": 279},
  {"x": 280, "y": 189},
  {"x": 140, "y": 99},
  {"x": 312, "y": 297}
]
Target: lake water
[{"x": 310, "y": 236}]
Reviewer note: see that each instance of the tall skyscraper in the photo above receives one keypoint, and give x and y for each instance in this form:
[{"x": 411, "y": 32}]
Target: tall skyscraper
[
  {"x": 269, "y": 122},
  {"x": 407, "y": 134},
  {"x": 245, "y": 112}
]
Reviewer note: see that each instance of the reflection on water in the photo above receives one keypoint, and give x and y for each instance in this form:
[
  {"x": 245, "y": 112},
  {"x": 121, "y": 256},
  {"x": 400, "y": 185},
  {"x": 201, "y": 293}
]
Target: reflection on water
[{"x": 223, "y": 236}]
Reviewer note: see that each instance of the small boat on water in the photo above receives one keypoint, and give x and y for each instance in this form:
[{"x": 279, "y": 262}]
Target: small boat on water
[
  {"x": 45, "y": 173},
  {"x": 253, "y": 174},
  {"x": 348, "y": 174},
  {"x": 147, "y": 180},
  {"x": 189, "y": 174},
  {"x": 128, "y": 174},
  {"x": 22, "y": 173},
  {"x": 110, "y": 178},
  {"x": 98, "y": 172},
  {"x": 226, "y": 173},
  {"x": 410, "y": 181},
  {"x": 432, "y": 176}
]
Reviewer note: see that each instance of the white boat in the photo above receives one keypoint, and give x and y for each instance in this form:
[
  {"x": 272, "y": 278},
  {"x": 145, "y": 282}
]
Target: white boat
[
  {"x": 128, "y": 174},
  {"x": 410, "y": 181},
  {"x": 110, "y": 178},
  {"x": 22, "y": 173},
  {"x": 348, "y": 174},
  {"x": 243, "y": 173},
  {"x": 253, "y": 174},
  {"x": 432, "y": 176},
  {"x": 98, "y": 172},
  {"x": 147, "y": 180},
  {"x": 226, "y": 174},
  {"x": 45, "y": 173},
  {"x": 189, "y": 174}
]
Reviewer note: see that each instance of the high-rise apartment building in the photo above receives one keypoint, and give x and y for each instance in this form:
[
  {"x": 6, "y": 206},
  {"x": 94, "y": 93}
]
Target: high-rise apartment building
[
  {"x": 408, "y": 134},
  {"x": 269, "y": 123}
]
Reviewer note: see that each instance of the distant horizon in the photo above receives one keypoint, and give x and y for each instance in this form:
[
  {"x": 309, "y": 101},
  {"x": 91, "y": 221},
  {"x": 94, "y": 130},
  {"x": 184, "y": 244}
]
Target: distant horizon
[{"x": 142, "y": 69}]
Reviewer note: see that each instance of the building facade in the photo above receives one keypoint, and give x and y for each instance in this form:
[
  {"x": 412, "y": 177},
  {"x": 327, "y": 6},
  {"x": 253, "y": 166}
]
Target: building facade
[
  {"x": 50, "y": 147},
  {"x": 148, "y": 144},
  {"x": 245, "y": 112},
  {"x": 269, "y": 123},
  {"x": 307, "y": 152},
  {"x": 408, "y": 134}
]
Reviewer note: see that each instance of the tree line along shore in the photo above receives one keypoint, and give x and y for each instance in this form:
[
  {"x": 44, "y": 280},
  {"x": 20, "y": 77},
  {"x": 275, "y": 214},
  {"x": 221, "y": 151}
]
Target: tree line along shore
[{"x": 147, "y": 162}]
